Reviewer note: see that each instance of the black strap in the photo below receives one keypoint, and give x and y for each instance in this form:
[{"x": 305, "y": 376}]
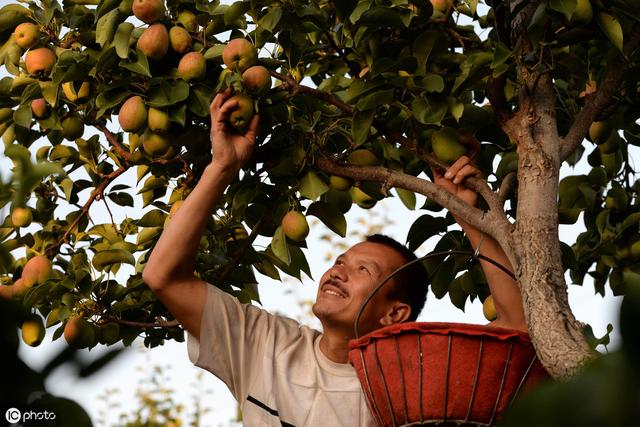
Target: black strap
[{"x": 269, "y": 410}]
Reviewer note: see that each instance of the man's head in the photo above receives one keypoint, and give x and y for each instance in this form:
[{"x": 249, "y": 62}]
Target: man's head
[{"x": 355, "y": 273}]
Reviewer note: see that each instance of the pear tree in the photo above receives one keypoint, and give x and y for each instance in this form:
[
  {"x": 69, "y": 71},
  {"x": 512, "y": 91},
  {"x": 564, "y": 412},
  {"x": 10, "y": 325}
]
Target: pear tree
[{"x": 106, "y": 102}]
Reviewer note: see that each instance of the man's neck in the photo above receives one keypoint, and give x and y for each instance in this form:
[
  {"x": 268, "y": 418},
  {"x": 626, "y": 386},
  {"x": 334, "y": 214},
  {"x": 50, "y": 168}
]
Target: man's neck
[{"x": 335, "y": 346}]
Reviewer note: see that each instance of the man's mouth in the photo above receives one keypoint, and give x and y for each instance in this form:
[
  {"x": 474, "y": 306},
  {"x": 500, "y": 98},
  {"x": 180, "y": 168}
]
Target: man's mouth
[{"x": 335, "y": 289}]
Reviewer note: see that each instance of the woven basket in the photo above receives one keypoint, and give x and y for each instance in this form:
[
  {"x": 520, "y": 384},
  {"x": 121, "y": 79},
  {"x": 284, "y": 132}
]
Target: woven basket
[{"x": 443, "y": 373}]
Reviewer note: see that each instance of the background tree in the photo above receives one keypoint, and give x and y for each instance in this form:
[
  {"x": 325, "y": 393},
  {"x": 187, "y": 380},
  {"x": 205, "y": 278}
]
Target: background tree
[{"x": 369, "y": 96}]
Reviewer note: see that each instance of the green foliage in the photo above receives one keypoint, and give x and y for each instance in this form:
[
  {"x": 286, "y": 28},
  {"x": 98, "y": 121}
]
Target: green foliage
[{"x": 381, "y": 68}]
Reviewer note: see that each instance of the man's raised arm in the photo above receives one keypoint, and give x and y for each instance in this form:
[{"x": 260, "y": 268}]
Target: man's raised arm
[
  {"x": 170, "y": 269},
  {"x": 506, "y": 295}
]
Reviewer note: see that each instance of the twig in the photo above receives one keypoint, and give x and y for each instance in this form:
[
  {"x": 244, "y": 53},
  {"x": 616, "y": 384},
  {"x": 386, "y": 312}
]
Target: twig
[
  {"x": 505, "y": 187},
  {"x": 114, "y": 142},
  {"x": 143, "y": 325},
  {"x": 95, "y": 194}
]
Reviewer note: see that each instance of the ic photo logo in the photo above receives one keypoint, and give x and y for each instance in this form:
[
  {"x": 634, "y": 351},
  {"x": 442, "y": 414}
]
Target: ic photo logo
[{"x": 13, "y": 415}]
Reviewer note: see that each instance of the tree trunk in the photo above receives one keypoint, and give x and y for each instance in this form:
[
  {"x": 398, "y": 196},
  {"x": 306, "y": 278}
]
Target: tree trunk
[{"x": 556, "y": 334}]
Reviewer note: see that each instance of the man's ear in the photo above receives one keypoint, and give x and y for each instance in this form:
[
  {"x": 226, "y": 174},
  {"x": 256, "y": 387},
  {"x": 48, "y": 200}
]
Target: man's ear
[{"x": 397, "y": 313}]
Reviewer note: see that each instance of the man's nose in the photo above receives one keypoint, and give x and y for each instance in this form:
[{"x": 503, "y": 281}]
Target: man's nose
[{"x": 338, "y": 272}]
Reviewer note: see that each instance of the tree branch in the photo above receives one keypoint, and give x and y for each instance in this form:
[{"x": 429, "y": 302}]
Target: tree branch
[
  {"x": 96, "y": 194},
  {"x": 113, "y": 140},
  {"x": 488, "y": 222},
  {"x": 600, "y": 99}
]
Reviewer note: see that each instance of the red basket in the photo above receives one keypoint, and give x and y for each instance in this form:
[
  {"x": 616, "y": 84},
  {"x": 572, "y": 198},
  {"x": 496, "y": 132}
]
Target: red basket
[{"x": 450, "y": 373}]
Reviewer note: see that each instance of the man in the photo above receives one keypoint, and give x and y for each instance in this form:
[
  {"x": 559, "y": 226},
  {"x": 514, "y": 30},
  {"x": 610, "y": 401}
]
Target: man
[{"x": 282, "y": 373}]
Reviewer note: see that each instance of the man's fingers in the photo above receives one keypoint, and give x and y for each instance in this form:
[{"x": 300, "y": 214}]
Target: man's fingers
[
  {"x": 456, "y": 166},
  {"x": 219, "y": 99},
  {"x": 466, "y": 171},
  {"x": 224, "y": 111}
]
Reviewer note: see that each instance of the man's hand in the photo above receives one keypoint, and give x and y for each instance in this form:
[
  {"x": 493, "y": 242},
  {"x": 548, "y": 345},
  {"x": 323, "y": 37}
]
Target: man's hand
[
  {"x": 453, "y": 179},
  {"x": 230, "y": 151}
]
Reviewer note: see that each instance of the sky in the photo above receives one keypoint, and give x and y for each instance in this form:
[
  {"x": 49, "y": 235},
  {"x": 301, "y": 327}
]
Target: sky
[{"x": 120, "y": 379}]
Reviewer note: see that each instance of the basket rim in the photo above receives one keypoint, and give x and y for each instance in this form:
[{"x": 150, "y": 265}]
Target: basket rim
[{"x": 442, "y": 328}]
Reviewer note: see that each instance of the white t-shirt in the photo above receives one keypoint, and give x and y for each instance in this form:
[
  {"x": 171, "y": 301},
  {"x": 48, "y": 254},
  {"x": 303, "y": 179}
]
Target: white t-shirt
[{"x": 274, "y": 367}]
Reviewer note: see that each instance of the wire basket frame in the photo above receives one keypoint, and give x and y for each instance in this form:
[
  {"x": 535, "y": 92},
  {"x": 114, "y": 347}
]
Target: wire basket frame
[{"x": 442, "y": 373}]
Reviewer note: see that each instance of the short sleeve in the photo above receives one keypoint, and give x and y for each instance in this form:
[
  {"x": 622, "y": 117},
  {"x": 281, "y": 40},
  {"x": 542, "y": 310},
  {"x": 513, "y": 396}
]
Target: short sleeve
[{"x": 234, "y": 339}]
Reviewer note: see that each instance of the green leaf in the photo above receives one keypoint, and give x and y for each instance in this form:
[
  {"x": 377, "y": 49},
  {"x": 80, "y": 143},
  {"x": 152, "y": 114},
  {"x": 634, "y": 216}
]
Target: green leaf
[
  {"x": 122, "y": 39},
  {"x": 109, "y": 257},
  {"x": 500, "y": 55},
  {"x": 362, "y": 121},
  {"x": 199, "y": 100},
  {"x": 566, "y": 7},
  {"x": 106, "y": 27},
  {"x": 168, "y": 93},
  {"x": 443, "y": 278},
  {"x": 49, "y": 92},
  {"x": 22, "y": 116},
  {"x": 279, "y": 246},
  {"x": 330, "y": 216},
  {"x": 214, "y": 52},
  {"x": 375, "y": 99},
  {"x": 270, "y": 20},
  {"x": 140, "y": 66},
  {"x": 382, "y": 17},
  {"x": 312, "y": 187},
  {"x": 235, "y": 11},
  {"x": 433, "y": 83},
  {"x": 407, "y": 197},
  {"x": 455, "y": 107},
  {"x": 612, "y": 28},
  {"x": 428, "y": 110},
  {"x": 122, "y": 199},
  {"x": 423, "y": 228}
]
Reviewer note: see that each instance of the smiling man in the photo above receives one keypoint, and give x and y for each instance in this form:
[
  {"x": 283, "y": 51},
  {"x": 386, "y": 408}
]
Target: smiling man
[{"x": 281, "y": 372}]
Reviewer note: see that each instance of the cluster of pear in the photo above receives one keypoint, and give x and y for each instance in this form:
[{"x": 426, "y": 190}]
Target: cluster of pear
[
  {"x": 156, "y": 40},
  {"x": 147, "y": 124},
  {"x": 35, "y": 272},
  {"x": 240, "y": 56},
  {"x": 39, "y": 61}
]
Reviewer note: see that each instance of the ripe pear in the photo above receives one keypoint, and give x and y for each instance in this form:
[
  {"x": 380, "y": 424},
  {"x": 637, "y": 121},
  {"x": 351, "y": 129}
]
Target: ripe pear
[
  {"x": 441, "y": 5},
  {"x": 610, "y": 145},
  {"x": 180, "y": 39},
  {"x": 362, "y": 157},
  {"x": 73, "y": 95},
  {"x": 616, "y": 199},
  {"x": 295, "y": 226},
  {"x": 37, "y": 270},
  {"x": 40, "y": 61},
  {"x": 599, "y": 132},
  {"x": 158, "y": 120},
  {"x": 445, "y": 145},
  {"x": 33, "y": 331},
  {"x": 240, "y": 117},
  {"x": 78, "y": 332},
  {"x": 154, "y": 42},
  {"x": 256, "y": 80},
  {"x": 192, "y": 66},
  {"x": 148, "y": 11},
  {"x": 72, "y": 128},
  {"x": 188, "y": 20},
  {"x": 21, "y": 217},
  {"x": 239, "y": 54},
  {"x": 340, "y": 183},
  {"x": 40, "y": 109},
  {"x": 361, "y": 198},
  {"x": 133, "y": 114},
  {"x": 489, "y": 309},
  {"x": 26, "y": 35},
  {"x": 155, "y": 145}
]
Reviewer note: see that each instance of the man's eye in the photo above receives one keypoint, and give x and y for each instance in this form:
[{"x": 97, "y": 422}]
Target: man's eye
[{"x": 365, "y": 269}]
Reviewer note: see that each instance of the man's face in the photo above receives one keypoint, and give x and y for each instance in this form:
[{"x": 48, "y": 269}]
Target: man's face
[{"x": 344, "y": 287}]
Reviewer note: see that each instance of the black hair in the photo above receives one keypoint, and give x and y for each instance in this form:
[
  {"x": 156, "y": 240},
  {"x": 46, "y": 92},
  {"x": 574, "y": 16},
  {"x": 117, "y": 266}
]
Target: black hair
[{"x": 410, "y": 284}]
